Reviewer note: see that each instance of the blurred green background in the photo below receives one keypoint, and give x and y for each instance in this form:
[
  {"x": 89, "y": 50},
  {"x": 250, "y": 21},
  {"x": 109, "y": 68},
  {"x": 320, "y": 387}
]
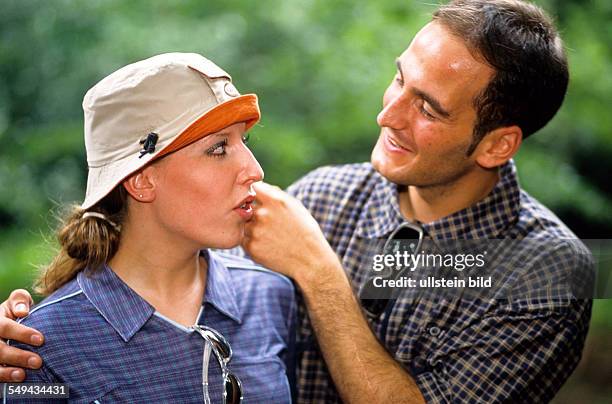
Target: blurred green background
[{"x": 320, "y": 69}]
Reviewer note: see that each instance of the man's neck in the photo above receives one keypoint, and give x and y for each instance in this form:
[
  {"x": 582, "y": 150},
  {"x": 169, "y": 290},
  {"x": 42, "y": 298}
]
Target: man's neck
[{"x": 428, "y": 204}]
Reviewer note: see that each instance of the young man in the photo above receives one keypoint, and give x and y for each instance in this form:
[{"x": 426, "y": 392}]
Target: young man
[{"x": 474, "y": 82}]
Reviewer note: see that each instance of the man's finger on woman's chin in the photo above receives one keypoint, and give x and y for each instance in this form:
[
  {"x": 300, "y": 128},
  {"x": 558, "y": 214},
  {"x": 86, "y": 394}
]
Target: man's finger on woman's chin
[{"x": 11, "y": 375}]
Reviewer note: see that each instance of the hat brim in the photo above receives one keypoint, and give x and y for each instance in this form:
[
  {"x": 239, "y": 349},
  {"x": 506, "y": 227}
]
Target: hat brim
[
  {"x": 102, "y": 180},
  {"x": 240, "y": 109}
]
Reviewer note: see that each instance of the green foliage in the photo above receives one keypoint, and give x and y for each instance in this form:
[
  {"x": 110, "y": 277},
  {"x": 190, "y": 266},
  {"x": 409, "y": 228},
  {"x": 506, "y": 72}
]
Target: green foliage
[
  {"x": 21, "y": 253},
  {"x": 319, "y": 68}
]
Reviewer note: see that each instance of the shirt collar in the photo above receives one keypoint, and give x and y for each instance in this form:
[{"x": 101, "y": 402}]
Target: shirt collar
[
  {"x": 381, "y": 212},
  {"x": 220, "y": 291},
  {"x": 485, "y": 219},
  {"x": 120, "y": 306},
  {"x": 127, "y": 312}
]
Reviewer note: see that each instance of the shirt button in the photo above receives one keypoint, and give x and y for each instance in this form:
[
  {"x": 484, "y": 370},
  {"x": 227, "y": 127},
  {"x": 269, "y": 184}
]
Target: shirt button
[
  {"x": 434, "y": 331},
  {"x": 435, "y": 364}
]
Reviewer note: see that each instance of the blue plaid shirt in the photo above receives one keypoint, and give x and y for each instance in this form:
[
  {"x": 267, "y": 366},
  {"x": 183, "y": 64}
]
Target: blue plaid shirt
[
  {"x": 110, "y": 345},
  {"x": 457, "y": 350}
]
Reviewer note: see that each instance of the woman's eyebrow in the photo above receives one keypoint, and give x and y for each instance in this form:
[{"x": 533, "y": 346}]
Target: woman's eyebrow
[{"x": 215, "y": 135}]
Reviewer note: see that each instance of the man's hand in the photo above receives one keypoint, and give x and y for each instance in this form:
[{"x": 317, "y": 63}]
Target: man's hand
[
  {"x": 17, "y": 305},
  {"x": 284, "y": 237}
]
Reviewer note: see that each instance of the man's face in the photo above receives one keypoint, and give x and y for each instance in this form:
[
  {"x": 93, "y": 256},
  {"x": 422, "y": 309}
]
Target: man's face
[{"x": 428, "y": 111}]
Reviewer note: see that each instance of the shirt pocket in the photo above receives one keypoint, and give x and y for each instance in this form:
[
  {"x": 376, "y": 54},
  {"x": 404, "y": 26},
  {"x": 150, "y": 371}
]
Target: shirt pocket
[
  {"x": 111, "y": 392},
  {"x": 263, "y": 380}
]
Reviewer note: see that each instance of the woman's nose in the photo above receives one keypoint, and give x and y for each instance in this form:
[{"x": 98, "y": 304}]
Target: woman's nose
[{"x": 252, "y": 171}]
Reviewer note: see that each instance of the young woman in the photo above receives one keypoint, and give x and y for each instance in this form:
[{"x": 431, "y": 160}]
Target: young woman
[{"x": 139, "y": 309}]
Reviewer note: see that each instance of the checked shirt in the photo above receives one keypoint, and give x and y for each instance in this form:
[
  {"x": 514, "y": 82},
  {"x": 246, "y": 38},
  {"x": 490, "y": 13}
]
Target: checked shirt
[{"x": 457, "y": 350}]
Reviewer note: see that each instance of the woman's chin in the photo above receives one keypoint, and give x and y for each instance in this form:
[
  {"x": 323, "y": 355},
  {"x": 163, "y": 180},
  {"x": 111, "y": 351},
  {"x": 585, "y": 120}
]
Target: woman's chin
[
  {"x": 223, "y": 239},
  {"x": 229, "y": 241}
]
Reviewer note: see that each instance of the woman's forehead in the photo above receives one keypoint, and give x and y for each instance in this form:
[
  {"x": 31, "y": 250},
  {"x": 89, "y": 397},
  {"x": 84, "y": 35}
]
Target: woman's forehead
[
  {"x": 237, "y": 128},
  {"x": 232, "y": 130}
]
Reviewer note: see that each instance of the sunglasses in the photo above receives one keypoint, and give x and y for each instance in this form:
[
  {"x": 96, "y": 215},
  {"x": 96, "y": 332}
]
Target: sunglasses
[
  {"x": 217, "y": 344},
  {"x": 407, "y": 237}
]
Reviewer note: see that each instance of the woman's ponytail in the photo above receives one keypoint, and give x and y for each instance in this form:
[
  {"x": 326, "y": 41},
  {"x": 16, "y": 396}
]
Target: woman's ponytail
[{"x": 87, "y": 239}]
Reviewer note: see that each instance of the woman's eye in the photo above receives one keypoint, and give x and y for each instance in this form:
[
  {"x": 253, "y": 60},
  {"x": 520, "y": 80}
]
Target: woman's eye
[
  {"x": 245, "y": 138},
  {"x": 217, "y": 149}
]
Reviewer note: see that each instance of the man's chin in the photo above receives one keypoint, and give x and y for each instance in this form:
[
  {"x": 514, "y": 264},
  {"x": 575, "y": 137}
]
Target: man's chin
[
  {"x": 382, "y": 164},
  {"x": 377, "y": 158},
  {"x": 392, "y": 173}
]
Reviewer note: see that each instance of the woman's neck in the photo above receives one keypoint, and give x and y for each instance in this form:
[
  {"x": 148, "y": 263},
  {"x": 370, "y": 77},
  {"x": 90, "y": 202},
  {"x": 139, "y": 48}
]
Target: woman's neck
[{"x": 172, "y": 280}]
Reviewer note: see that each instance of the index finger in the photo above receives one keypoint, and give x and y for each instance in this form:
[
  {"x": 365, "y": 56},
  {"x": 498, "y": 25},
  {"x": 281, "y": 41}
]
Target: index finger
[{"x": 265, "y": 191}]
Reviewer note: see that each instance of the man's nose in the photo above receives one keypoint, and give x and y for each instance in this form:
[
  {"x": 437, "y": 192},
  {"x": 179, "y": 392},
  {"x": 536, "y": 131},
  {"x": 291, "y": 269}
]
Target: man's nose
[{"x": 395, "y": 112}]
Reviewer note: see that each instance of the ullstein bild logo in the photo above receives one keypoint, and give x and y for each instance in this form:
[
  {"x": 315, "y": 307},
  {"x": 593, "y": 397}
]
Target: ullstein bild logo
[{"x": 433, "y": 282}]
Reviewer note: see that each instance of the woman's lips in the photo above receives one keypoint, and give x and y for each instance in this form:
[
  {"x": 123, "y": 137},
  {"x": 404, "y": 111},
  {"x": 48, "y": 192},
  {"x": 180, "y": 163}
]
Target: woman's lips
[{"x": 245, "y": 209}]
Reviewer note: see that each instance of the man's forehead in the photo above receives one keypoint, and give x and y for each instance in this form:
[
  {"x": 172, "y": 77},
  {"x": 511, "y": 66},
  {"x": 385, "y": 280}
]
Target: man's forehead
[
  {"x": 442, "y": 63},
  {"x": 435, "y": 42}
]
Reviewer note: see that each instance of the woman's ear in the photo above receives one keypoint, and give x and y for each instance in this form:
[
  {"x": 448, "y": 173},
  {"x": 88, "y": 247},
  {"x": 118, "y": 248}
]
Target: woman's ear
[
  {"x": 141, "y": 185},
  {"x": 499, "y": 146}
]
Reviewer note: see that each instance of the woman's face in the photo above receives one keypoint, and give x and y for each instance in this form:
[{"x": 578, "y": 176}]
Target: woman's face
[{"x": 203, "y": 192}]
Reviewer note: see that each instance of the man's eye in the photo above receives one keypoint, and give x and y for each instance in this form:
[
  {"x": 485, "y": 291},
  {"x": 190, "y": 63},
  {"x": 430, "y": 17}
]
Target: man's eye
[
  {"x": 421, "y": 106},
  {"x": 245, "y": 138},
  {"x": 427, "y": 114},
  {"x": 399, "y": 80}
]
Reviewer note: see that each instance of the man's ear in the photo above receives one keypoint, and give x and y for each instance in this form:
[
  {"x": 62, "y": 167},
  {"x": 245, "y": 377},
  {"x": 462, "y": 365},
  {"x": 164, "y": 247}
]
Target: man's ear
[
  {"x": 141, "y": 185},
  {"x": 498, "y": 146}
]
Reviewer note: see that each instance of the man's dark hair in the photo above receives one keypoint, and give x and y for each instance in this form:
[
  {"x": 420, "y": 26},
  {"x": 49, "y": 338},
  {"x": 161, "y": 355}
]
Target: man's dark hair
[{"x": 520, "y": 42}]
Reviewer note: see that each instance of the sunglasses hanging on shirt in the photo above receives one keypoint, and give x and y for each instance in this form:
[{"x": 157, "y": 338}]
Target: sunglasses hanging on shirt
[
  {"x": 215, "y": 342},
  {"x": 408, "y": 237}
]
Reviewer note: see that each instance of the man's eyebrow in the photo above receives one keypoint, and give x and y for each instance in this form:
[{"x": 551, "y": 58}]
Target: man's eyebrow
[
  {"x": 435, "y": 104},
  {"x": 399, "y": 68}
]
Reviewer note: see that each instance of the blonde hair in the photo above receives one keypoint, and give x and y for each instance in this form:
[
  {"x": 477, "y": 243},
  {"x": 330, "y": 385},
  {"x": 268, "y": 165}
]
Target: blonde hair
[{"x": 85, "y": 240}]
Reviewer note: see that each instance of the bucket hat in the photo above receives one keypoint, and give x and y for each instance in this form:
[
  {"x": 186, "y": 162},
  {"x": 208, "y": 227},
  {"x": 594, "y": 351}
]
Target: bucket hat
[{"x": 151, "y": 108}]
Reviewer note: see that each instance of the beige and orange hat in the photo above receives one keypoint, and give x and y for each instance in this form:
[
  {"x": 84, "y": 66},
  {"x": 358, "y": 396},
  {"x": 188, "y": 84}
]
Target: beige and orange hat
[{"x": 151, "y": 108}]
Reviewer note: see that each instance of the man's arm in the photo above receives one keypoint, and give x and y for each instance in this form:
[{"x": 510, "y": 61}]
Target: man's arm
[
  {"x": 361, "y": 368},
  {"x": 284, "y": 237},
  {"x": 14, "y": 360}
]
